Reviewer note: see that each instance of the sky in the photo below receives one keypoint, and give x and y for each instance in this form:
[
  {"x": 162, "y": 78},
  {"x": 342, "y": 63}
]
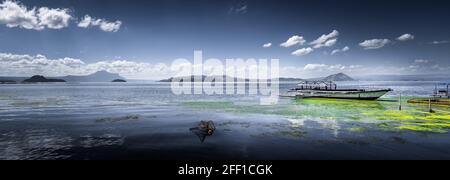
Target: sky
[{"x": 139, "y": 39}]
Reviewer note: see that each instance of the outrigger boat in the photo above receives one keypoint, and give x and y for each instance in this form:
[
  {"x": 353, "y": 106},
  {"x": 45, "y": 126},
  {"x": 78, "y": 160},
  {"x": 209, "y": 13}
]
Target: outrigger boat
[{"x": 322, "y": 89}]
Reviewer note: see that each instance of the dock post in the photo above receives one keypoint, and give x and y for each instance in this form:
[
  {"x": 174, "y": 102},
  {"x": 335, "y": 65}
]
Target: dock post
[
  {"x": 400, "y": 102},
  {"x": 429, "y": 106}
]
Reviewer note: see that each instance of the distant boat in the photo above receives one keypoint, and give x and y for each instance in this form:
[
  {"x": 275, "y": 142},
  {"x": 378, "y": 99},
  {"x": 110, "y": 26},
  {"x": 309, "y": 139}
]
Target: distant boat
[
  {"x": 118, "y": 80},
  {"x": 323, "y": 89}
]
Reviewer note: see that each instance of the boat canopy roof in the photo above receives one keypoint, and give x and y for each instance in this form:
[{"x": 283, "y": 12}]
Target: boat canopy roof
[{"x": 317, "y": 84}]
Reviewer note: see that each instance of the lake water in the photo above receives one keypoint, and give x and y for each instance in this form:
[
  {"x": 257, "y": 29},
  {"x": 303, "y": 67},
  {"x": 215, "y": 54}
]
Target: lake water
[{"x": 147, "y": 121}]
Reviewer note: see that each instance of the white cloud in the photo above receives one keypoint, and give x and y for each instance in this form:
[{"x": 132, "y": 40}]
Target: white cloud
[
  {"x": 440, "y": 42},
  {"x": 332, "y": 67},
  {"x": 330, "y": 43},
  {"x": 374, "y": 43},
  {"x": 294, "y": 40},
  {"x": 421, "y": 61},
  {"x": 240, "y": 8},
  {"x": 406, "y": 37},
  {"x": 103, "y": 24},
  {"x": 28, "y": 65},
  {"x": 15, "y": 65},
  {"x": 326, "y": 40},
  {"x": 132, "y": 70},
  {"x": 302, "y": 52},
  {"x": 346, "y": 48},
  {"x": 13, "y": 14},
  {"x": 313, "y": 67},
  {"x": 320, "y": 70},
  {"x": 16, "y": 15},
  {"x": 54, "y": 18},
  {"x": 267, "y": 45},
  {"x": 85, "y": 22}
]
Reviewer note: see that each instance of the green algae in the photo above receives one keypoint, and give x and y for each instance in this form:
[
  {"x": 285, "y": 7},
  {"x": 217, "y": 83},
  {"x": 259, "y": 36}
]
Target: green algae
[
  {"x": 356, "y": 129},
  {"x": 384, "y": 113}
]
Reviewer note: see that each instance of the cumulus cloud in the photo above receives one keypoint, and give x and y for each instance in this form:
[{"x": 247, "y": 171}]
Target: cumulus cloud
[
  {"x": 302, "y": 52},
  {"x": 14, "y": 14},
  {"x": 294, "y": 40},
  {"x": 420, "y": 66},
  {"x": 132, "y": 69},
  {"x": 103, "y": 24},
  {"x": 267, "y": 45},
  {"x": 406, "y": 37},
  {"x": 320, "y": 70},
  {"x": 28, "y": 65},
  {"x": 240, "y": 8},
  {"x": 13, "y": 64},
  {"x": 310, "y": 67},
  {"x": 374, "y": 43},
  {"x": 326, "y": 40},
  {"x": 346, "y": 48},
  {"x": 440, "y": 42}
]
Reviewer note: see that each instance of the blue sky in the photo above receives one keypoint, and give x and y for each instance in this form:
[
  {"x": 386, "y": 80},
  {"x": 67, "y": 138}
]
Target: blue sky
[{"x": 152, "y": 33}]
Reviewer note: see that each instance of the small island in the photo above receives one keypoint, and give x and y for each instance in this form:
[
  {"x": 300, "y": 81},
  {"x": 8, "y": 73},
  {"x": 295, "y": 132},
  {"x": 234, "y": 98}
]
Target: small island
[
  {"x": 39, "y": 79},
  {"x": 119, "y": 80}
]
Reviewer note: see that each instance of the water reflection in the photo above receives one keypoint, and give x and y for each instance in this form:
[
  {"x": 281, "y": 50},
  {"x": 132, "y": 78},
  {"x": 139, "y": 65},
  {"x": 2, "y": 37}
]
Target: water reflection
[{"x": 34, "y": 144}]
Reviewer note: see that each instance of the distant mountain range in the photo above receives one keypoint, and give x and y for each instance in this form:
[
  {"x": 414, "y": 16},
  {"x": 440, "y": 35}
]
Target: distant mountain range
[
  {"x": 37, "y": 78},
  {"x": 225, "y": 77},
  {"x": 104, "y": 76},
  {"x": 337, "y": 77},
  {"x": 7, "y": 82},
  {"x": 334, "y": 77},
  {"x": 100, "y": 76}
]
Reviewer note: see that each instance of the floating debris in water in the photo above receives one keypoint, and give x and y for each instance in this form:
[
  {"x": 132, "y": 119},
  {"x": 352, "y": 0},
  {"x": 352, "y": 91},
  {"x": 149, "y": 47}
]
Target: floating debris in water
[
  {"x": 204, "y": 129},
  {"x": 88, "y": 141},
  {"x": 119, "y": 119},
  {"x": 356, "y": 129},
  {"x": 383, "y": 113}
]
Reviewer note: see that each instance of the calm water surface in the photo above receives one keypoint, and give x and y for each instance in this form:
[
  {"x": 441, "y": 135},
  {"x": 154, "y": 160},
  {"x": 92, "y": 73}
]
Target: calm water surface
[{"x": 147, "y": 121}]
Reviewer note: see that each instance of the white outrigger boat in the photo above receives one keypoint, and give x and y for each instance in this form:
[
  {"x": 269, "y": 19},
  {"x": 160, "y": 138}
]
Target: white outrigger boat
[{"x": 322, "y": 89}]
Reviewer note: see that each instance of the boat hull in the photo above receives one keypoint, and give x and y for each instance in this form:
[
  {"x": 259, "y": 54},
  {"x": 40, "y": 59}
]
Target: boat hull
[{"x": 362, "y": 95}]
